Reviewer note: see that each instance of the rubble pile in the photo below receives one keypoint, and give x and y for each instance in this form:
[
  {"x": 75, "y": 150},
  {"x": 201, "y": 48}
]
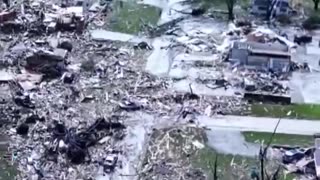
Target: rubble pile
[
  {"x": 170, "y": 151},
  {"x": 299, "y": 161},
  {"x": 62, "y": 122},
  {"x": 37, "y": 17},
  {"x": 268, "y": 84},
  {"x": 78, "y": 143},
  {"x": 67, "y": 100}
]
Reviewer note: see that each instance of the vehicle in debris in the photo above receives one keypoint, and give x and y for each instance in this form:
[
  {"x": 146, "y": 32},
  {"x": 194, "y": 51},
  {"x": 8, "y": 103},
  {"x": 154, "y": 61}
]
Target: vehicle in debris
[
  {"x": 292, "y": 156},
  {"x": 110, "y": 163}
]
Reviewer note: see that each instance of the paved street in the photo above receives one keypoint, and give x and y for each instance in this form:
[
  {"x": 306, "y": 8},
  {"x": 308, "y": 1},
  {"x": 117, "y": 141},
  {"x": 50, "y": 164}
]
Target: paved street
[{"x": 244, "y": 123}]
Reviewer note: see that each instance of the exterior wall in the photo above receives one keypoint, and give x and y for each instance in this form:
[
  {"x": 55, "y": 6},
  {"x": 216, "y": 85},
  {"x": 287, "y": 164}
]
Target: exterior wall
[
  {"x": 265, "y": 63},
  {"x": 239, "y": 55},
  {"x": 259, "y": 7},
  {"x": 280, "y": 64},
  {"x": 258, "y": 62}
]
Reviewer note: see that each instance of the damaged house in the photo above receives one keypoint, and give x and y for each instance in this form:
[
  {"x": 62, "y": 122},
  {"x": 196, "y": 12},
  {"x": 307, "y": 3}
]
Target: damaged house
[
  {"x": 277, "y": 7},
  {"x": 261, "y": 56}
]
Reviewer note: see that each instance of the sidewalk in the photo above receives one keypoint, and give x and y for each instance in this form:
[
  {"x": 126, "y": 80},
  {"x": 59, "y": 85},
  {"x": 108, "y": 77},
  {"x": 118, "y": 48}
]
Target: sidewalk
[{"x": 258, "y": 124}]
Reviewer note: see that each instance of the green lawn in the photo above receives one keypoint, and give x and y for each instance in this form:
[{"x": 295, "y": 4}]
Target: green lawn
[
  {"x": 279, "y": 139},
  {"x": 221, "y": 4},
  {"x": 128, "y": 17},
  {"x": 205, "y": 159},
  {"x": 7, "y": 171},
  {"x": 296, "y": 111}
]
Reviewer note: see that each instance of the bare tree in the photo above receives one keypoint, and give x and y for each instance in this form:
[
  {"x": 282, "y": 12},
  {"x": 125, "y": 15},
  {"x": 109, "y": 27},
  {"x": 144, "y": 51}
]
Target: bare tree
[
  {"x": 230, "y": 5},
  {"x": 215, "y": 175},
  {"x": 316, "y": 4},
  {"x": 270, "y": 6},
  {"x": 263, "y": 154}
]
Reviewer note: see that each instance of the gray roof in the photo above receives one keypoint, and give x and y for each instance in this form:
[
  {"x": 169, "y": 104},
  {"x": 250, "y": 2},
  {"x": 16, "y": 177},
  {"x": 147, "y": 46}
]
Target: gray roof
[
  {"x": 269, "y": 52},
  {"x": 260, "y": 2},
  {"x": 261, "y": 46}
]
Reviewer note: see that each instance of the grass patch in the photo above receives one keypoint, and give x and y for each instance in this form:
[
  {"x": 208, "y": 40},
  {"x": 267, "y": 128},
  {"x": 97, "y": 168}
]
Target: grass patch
[
  {"x": 205, "y": 158},
  {"x": 7, "y": 172},
  {"x": 279, "y": 139},
  {"x": 217, "y": 4},
  {"x": 221, "y": 4},
  {"x": 128, "y": 17},
  {"x": 295, "y": 111}
]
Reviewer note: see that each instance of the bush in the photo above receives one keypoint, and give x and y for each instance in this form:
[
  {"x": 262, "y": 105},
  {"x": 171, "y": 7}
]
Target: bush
[
  {"x": 284, "y": 19},
  {"x": 312, "y": 22}
]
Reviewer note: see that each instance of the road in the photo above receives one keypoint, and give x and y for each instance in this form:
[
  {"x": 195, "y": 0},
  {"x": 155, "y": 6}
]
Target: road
[{"x": 245, "y": 123}]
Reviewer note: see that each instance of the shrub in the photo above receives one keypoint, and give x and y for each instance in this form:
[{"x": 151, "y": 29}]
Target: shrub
[
  {"x": 312, "y": 22},
  {"x": 284, "y": 19}
]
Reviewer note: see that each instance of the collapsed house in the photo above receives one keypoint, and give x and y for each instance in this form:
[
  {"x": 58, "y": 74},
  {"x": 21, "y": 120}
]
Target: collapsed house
[
  {"x": 261, "y": 57},
  {"x": 266, "y": 58},
  {"x": 303, "y": 161}
]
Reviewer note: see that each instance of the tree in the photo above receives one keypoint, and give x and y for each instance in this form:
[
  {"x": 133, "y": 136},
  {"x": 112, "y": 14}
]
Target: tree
[
  {"x": 230, "y": 5},
  {"x": 270, "y": 6},
  {"x": 316, "y": 4}
]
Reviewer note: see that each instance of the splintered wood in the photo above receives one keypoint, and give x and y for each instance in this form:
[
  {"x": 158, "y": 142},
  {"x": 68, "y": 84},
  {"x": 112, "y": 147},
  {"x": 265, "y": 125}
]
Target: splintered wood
[{"x": 169, "y": 151}]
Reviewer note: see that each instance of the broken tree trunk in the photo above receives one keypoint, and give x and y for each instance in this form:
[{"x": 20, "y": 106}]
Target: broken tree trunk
[
  {"x": 7, "y": 3},
  {"x": 316, "y": 4},
  {"x": 270, "y": 6},
  {"x": 230, "y": 5}
]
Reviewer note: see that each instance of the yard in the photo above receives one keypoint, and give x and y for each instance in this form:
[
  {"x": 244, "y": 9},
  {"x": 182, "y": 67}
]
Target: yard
[
  {"x": 295, "y": 111},
  {"x": 221, "y": 4},
  {"x": 130, "y": 17},
  {"x": 241, "y": 167},
  {"x": 279, "y": 139}
]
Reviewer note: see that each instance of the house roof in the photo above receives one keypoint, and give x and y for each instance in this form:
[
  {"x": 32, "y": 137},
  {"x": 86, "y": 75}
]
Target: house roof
[
  {"x": 262, "y": 46},
  {"x": 268, "y": 46},
  {"x": 269, "y": 52}
]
